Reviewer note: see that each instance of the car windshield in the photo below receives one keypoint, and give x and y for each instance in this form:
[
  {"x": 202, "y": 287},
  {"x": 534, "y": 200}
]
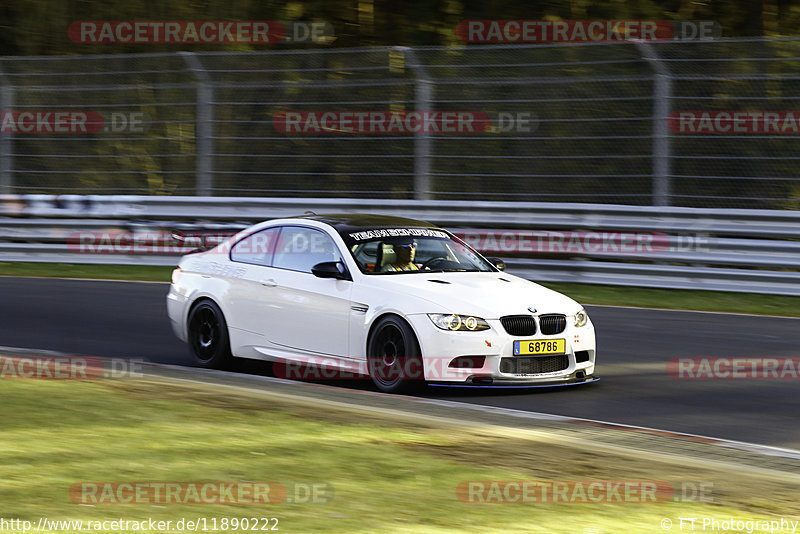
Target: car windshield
[{"x": 412, "y": 250}]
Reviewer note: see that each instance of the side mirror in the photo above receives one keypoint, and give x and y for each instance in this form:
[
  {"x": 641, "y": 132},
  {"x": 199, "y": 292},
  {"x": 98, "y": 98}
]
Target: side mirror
[
  {"x": 331, "y": 269},
  {"x": 497, "y": 262}
]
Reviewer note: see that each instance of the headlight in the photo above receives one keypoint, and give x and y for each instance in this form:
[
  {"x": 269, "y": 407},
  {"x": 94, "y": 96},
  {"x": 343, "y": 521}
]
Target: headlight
[
  {"x": 581, "y": 318},
  {"x": 456, "y": 322}
]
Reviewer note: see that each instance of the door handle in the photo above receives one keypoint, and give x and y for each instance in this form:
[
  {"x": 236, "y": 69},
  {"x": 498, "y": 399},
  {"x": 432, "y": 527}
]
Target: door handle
[{"x": 268, "y": 282}]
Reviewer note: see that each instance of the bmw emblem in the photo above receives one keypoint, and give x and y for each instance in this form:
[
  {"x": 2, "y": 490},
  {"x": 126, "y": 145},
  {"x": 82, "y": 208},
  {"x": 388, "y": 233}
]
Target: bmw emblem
[{"x": 532, "y": 309}]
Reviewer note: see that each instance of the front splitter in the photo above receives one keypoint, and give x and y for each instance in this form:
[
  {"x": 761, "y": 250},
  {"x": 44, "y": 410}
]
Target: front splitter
[{"x": 511, "y": 386}]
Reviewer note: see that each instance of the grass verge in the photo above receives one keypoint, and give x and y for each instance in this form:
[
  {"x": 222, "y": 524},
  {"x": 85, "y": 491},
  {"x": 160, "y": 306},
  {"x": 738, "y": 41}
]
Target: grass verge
[
  {"x": 681, "y": 299},
  {"x": 584, "y": 293},
  {"x": 383, "y": 475},
  {"x": 149, "y": 273}
]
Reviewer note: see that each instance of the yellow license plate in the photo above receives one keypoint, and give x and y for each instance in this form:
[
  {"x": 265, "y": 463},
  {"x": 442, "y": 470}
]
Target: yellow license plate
[{"x": 540, "y": 346}]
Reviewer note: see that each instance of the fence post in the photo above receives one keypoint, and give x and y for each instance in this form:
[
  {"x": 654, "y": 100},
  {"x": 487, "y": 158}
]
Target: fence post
[
  {"x": 204, "y": 126},
  {"x": 423, "y": 96},
  {"x": 662, "y": 91},
  {"x": 6, "y": 139}
]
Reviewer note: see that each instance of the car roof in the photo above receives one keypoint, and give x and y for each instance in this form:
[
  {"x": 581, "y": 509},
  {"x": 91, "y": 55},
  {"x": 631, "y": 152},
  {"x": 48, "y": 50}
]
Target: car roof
[{"x": 347, "y": 223}]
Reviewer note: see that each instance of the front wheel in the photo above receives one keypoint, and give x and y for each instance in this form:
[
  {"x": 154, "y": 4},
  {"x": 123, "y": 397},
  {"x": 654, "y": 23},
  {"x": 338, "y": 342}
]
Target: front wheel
[
  {"x": 394, "y": 357},
  {"x": 208, "y": 336}
]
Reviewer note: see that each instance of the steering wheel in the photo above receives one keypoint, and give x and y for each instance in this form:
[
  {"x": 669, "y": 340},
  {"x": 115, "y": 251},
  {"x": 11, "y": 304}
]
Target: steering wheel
[{"x": 428, "y": 263}]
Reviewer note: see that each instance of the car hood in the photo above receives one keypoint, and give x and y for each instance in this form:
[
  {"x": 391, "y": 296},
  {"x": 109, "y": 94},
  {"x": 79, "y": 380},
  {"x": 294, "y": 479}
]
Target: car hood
[{"x": 488, "y": 295}]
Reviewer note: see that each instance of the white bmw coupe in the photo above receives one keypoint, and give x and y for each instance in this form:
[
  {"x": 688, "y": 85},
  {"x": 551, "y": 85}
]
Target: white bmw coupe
[{"x": 399, "y": 300}]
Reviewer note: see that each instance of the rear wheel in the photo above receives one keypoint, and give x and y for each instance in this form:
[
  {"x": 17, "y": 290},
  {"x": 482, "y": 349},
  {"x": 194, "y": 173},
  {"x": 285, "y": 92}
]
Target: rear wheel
[
  {"x": 208, "y": 336},
  {"x": 394, "y": 358}
]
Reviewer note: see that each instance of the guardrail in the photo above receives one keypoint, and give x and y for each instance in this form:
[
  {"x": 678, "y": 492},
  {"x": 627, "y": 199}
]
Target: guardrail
[{"x": 667, "y": 247}]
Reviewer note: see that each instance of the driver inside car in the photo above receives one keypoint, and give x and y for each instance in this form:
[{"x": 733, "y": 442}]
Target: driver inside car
[{"x": 404, "y": 258}]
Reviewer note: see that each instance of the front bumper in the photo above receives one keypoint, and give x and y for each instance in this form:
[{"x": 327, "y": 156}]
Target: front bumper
[{"x": 494, "y": 348}]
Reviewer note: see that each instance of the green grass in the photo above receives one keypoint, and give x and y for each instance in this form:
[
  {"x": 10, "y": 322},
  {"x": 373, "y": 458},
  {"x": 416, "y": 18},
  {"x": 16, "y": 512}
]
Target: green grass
[
  {"x": 77, "y": 270},
  {"x": 386, "y": 477},
  {"x": 682, "y": 299},
  {"x": 583, "y": 293}
]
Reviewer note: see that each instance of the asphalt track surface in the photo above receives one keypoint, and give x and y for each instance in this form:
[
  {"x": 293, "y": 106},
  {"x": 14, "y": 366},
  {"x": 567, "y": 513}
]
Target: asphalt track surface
[{"x": 128, "y": 320}]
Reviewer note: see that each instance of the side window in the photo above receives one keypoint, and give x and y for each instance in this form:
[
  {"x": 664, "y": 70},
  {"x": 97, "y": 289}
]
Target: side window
[
  {"x": 302, "y": 248},
  {"x": 366, "y": 255},
  {"x": 257, "y": 248}
]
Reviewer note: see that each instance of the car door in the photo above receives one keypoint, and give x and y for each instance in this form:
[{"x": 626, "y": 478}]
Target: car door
[
  {"x": 249, "y": 298},
  {"x": 307, "y": 313}
]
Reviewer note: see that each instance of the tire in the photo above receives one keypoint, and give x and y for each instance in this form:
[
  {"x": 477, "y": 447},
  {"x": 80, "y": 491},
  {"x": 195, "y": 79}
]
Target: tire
[
  {"x": 394, "y": 358},
  {"x": 208, "y": 336}
]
